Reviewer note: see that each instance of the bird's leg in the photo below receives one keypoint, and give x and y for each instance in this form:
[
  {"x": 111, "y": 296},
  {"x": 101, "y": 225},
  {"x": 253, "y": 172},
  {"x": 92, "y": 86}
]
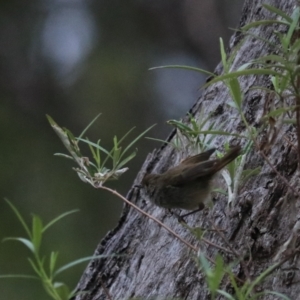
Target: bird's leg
[
  {"x": 173, "y": 213},
  {"x": 181, "y": 218}
]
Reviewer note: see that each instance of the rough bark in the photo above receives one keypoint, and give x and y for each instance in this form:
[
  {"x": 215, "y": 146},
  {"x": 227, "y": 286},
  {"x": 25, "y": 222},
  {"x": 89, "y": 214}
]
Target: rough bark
[{"x": 154, "y": 264}]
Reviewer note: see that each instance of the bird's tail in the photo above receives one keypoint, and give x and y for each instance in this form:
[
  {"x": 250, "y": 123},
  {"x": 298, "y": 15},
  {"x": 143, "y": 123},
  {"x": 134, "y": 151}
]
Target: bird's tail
[{"x": 232, "y": 154}]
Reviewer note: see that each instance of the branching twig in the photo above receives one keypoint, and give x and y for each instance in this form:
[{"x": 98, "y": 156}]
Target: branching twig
[{"x": 150, "y": 217}]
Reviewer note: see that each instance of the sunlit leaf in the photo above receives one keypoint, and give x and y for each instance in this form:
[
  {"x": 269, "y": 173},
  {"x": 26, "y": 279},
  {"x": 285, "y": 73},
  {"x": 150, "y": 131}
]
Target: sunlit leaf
[
  {"x": 24, "y": 241},
  {"x": 37, "y": 229}
]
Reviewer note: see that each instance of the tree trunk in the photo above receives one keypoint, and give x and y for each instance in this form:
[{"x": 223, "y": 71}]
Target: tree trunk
[{"x": 155, "y": 264}]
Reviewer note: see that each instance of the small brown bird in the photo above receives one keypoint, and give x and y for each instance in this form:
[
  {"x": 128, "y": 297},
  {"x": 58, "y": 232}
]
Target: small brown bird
[{"x": 188, "y": 185}]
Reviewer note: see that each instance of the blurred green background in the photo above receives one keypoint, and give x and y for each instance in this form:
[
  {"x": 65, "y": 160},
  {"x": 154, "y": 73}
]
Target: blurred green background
[{"x": 73, "y": 59}]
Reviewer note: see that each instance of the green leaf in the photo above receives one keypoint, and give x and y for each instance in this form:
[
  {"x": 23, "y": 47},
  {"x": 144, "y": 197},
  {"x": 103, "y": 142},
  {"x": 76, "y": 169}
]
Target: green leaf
[
  {"x": 289, "y": 121},
  {"x": 179, "y": 125},
  {"x": 204, "y": 264},
  {"x": 221, "y": 191},
  {"x": 295, "y": 18},
  {"x": 95, "y": 146},
  {"x": 226, "y": 295},
  {"x": 218, "y": 274},
  {"x": 158, "y": 140},
  {"x": 37, "y": 230},
  {"x": 250, "y": 172},
  {"x": 296, "y": 46},
  {"x": 126, "y": 160},
  {"x": 89, "y": 125},
  {"x": 96, "y": 154},
  {"x": 126, "y": 134},
  {"x": 245, "y": 66},
  {"x": 116, "y": 152},
  {"x": 18, "y": 276},
  {"x": 188, "y": 68},
  {"x": 64, "y": 155},
  {"x": 278, "y": 12},
  {"x": 136, "y": 139},
  {"x": 237, "y": 289},
  {"x": 62, "y": 290},
  {"x": 223, "y": 56},
  {"x": 278, "y": 112},
  {"x": 236, "y": 92},
  {"x": 271, "y": 57},
  {"x": 260, "y": 278},
  {"x": 51, "y": 121},
  {"x": 242, "y": 73},
  {"x": 220, "y": 132},
  {"x": 35, "y": 268},
  {"x": 68, "y": 140},
  {"x": 280, "y": 83},
  {"x": 263, "y": 22},
  {"x": 52, "y": 263},
  {"x": 268, "y": 42},
  {"x": 79, "y": 261},
  {"x": 59, "y": 218},
  {"x": 19, "y": 216},
  {"x": 277, "y": 294},
  {"x": 25, "y": 242}
]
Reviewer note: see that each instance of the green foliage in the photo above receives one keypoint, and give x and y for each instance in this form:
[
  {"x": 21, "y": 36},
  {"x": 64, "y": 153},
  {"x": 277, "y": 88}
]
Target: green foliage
[
  {"x": 197, "y": 134},
  {"x": 242, "y": 290},
  {"x": 282, "y": 103},
  {"x": 284, "y": 100},
  {"x": 97, "y": 171},
  {"x": 282, "y": 67},
  {"x": 44, "y": 266}
]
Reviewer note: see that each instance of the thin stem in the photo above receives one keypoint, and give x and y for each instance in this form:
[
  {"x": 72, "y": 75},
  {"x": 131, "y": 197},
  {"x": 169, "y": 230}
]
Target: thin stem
[
  {"x": 106, "y": 290},
  {"x": 166, "y": 227},
  {"x": 150, "y": 217}
]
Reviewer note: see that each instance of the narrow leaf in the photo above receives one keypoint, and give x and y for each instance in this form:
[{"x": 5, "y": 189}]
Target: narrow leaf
[
  {"x": 241, "y": 73},
  {"x": 126, "y": 134},
  {"x": 37, "y": 229},
  {"x": 18, "y": 276},
  {"x": 79, "y": 261},
  {"x": 19, "y": 216},
  {"x": 62, "y": 290},
  {"x": 263, "y": 22},
  {"x": 95, "y": 145},
  {"x": 278, "y": 294},
  {"x": 59, "y": 218},
  {"x": 52, "y": 263},
  {"x": 126, "y": 160},
  {"x": 35, "y": 268},
  {"x": 25, "y": 242},
  {"x": 223, "y": 56},
  {"x": 278, "y": 12},
  {"x": 295, "y": 17},
  {"x": 226, "y": 295},
  {"x": 89, "y": 125},
  {"x": 64, "y": 155},
  {"x": 188, "y": 68},
  {"x": 136, "y": 139},
  {"x": 236, "y": 92}
]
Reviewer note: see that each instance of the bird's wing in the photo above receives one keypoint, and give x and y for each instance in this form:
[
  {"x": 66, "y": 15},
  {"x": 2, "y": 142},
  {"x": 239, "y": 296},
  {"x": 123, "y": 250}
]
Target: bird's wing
[
  {"x": 192, "y": 173},
  {"x": 204, "y": 169},
  {"x": 201, "y": 157}
]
